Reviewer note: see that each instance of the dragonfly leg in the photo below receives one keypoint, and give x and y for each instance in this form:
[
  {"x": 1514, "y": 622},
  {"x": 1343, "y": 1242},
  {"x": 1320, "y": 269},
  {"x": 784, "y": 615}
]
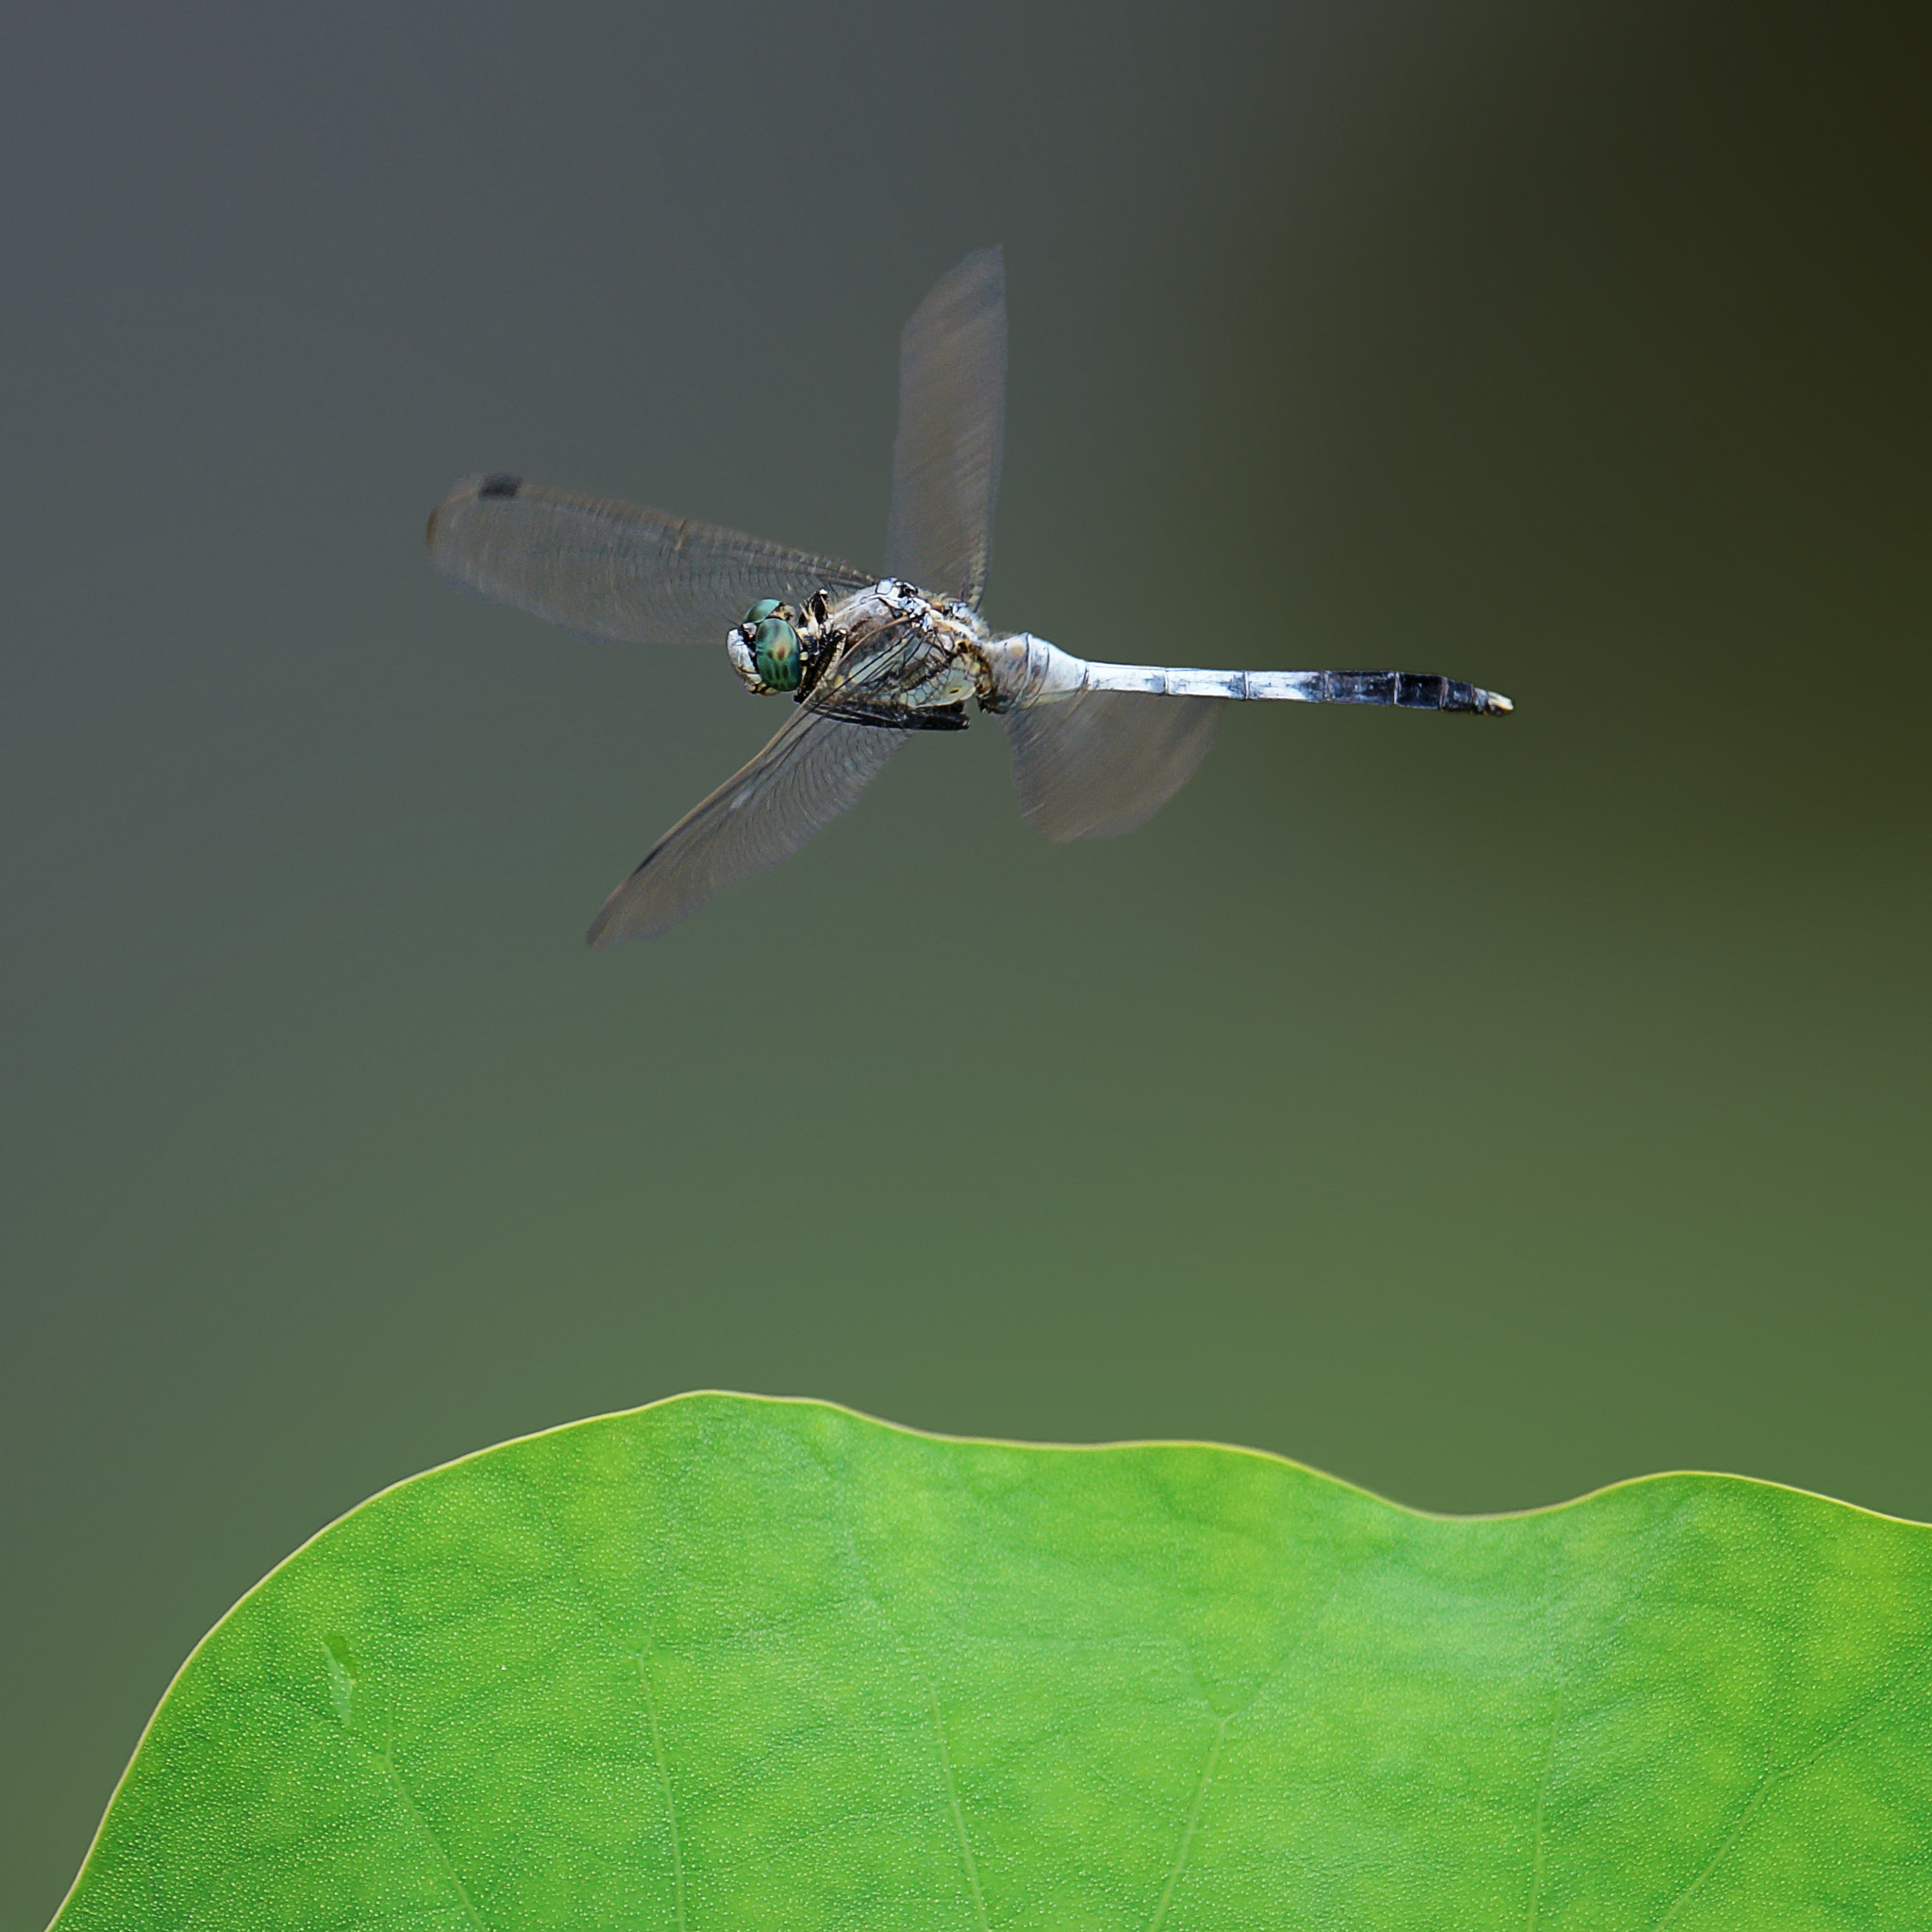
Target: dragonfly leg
[{"x": 899, "y": 717}]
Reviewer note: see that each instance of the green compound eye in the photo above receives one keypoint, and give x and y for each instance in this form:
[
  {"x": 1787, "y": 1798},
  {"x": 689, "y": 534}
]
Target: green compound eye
[
  {"x": 761, "y": 609},
  {"x": 775, "y": 650}
]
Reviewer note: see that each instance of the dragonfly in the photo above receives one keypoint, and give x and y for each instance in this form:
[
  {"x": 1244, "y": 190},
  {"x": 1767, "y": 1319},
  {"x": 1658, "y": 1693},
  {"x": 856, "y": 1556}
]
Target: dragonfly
[{"x": 871, "y": 661}]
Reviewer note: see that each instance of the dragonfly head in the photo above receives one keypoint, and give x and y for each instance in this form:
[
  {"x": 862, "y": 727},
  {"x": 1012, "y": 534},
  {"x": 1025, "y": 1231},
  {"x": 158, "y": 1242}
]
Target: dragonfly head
[{"x": 767, "y": 651}]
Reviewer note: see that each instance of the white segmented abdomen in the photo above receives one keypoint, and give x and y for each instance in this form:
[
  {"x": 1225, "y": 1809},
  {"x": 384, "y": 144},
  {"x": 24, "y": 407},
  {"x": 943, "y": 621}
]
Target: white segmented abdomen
[
  {"x": 1179, "y": 681},
  {"x": 1029, "y": 671}
]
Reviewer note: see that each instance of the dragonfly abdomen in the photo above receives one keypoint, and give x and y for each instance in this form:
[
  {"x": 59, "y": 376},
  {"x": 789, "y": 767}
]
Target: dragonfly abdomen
[{"x": 1030, "y": 671}]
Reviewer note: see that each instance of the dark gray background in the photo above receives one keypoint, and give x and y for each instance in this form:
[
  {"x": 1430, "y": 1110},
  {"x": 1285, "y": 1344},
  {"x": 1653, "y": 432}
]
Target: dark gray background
[{"x": 1481, "y": 1112}]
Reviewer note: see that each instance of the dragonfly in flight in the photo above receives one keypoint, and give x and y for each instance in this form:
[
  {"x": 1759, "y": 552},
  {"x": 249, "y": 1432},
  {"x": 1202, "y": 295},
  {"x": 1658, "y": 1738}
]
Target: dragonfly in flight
[{"x": 868, "y": 661}]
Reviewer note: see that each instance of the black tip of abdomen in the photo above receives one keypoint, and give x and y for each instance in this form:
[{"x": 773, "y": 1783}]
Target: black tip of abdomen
[
  {"x": 1414, "y": 691},
  {"x": 1423, "y": 692},
  {"x": 499, "y": 483}
]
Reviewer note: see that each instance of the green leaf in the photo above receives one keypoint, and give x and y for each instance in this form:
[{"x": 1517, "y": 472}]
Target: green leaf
[{"x": 735, "y": 1663}]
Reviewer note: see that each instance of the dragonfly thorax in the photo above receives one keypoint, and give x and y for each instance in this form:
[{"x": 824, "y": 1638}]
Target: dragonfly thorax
[{"x": 895, "y": 648}]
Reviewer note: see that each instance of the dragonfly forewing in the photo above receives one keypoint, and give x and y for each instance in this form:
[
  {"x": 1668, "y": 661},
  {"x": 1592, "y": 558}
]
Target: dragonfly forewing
[
  {"x": 813, "y": 769},
  {"x": 615, "y": 570},
  {"x": 951, "y": 424}
]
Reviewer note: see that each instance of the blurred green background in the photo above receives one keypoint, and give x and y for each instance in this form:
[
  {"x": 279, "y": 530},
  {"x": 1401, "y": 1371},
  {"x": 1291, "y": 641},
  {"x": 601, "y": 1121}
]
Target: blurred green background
[{"x": 1482, "y": 1113}]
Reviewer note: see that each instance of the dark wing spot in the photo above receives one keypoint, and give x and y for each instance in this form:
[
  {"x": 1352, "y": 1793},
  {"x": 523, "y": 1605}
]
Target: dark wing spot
[{"x": 499, "y": 483}]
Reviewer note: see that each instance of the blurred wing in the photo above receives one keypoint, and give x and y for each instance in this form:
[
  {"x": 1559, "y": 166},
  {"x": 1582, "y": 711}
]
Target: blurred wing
[
  {"x": 615, "y": 570},
  {"x": 952, "y": 419},
  {"x": 1103, "y": 763},
  {"x": 815, "y": 769}
]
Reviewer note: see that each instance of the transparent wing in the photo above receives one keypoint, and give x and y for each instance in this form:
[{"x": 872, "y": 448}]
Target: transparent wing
[
  {"x": 810, "y": 771},
  {"x": 952, "y": 420},
  {"x": 1102, "y": 762},
  {"x": 615, "y": 570}
]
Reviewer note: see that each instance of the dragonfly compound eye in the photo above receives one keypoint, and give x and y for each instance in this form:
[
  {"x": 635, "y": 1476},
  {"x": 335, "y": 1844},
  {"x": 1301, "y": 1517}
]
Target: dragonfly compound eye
[
  {"x": 764, "y": 608},
  {"x": 775, "y": 654}
]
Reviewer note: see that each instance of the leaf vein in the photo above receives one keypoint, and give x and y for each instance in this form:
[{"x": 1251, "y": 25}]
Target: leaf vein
[
  {"x": 1187, "y": 1844},
  {"x": 664, "y": 1780},
  {"x": 435, "y": 1845},
  {"x": 939, "y": 1724}
]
